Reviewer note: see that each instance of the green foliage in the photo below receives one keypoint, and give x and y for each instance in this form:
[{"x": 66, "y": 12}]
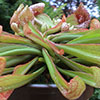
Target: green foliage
[
  {"x": 7, "y": 9},
  {"x": 96, "y": 95},
  {"x": 50, "y": 10},
  {"x": 98, "y": 3}
]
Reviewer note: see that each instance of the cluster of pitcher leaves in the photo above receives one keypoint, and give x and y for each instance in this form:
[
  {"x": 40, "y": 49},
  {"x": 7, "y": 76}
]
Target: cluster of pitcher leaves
[{"x": 67, "y": 46}]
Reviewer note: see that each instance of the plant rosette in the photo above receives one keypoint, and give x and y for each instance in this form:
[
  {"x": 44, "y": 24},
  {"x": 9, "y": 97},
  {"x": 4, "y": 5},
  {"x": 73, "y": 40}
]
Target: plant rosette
[{"x": 66, "y": 47}]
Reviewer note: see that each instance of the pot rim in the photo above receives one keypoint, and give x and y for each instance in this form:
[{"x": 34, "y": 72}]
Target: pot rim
[{"x": 42, "y": 85}]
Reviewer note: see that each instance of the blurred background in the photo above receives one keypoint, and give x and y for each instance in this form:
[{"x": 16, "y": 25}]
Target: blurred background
[{"x": 7, "y": 8}]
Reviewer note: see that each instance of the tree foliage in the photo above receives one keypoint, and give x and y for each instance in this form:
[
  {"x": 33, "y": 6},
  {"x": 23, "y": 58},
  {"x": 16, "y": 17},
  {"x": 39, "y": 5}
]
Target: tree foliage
[
  {"x": 73, "y": 4},
  {"x": 7, "y": 7}
]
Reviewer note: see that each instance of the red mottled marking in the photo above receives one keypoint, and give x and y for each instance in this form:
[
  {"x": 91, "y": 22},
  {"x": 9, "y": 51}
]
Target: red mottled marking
[
  {"x": 74, "y": 91},
  {"x": 95, "y": 24},
  {"x": 1, "y": 29},
  {"x": 26, "y": 29},
  {"x": 36, "y": 13},
  {"x": 64, "y": 18},
  {"x": 82, "y": 14},
  {"x": 52, "y": 45},
  {"x": 61, "y": 52},
  {"x": 2, "y": 64},
  {"x": 5, "y": 95},
  {"x": 37, "y": 9}
]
